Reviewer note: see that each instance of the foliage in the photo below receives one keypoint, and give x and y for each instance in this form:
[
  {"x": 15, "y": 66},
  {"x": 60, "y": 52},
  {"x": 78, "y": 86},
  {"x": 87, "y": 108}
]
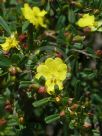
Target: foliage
[{"x": 25, "y": 106}]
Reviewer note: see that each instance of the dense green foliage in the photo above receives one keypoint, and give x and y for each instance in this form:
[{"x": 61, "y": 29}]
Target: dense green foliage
[{"x": 25, "y": 109}]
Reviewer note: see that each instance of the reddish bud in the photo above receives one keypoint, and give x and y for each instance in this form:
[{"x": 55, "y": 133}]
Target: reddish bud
[
  {"x": 62, "y": 113},
  {"x": 25, "y": 46},
  {"x": 59, "y": 55},
  {"x": 6, "y": 54},
  {"x": 22, "y": 37},
  {"x": 90, "y": 114},
  {"x": 98, "y": 52},
  {"x": 87, "y": 125},
  {"x": 87, "y": 29},
  {"x": 68, "y": 35},
  {"x": 2, "y": 122},
  {"x": 8, "y": 108},
  {"x": 42, "y": 90},
  {"x": 74, "y": 107}
]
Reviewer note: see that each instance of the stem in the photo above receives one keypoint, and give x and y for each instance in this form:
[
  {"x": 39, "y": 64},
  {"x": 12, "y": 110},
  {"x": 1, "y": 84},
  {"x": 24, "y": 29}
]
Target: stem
[
  {"x": 30, "y": 36},
  {"x": 66, "y": 130}
]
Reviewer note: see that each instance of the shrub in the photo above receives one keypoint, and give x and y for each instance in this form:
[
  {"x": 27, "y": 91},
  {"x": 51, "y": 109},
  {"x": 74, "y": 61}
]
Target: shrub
[{"x": 50, "y": 67}]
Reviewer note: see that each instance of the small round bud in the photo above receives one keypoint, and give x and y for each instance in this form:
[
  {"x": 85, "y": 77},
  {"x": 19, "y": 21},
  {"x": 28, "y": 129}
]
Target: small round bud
[
  {"x": 25, "y": 46},
  {"x": 59, "y": 55},
  {"x": 98, "y": 52},
  {"x": 62, "y": 113},
  {"x": 12, "y": 70},
  {"x": 21, "y": 120},
  {"x": 90, "y": 114},
  {"x": 8, "y": 108},
  {"x": 68, "y": 35},
  {"x": 41, "y": 90},
  {"x": 58, "y": 98},
  {"x": 87, "y": 125},
  {"x": 87, "y": 30},
  {"x": 74, "y": 107},
  {"x": 87, "y": 94},
  {"x": 6, "y": 53},
  {"x": 70, "y": 101},
  {"x": 22, "y": 37},
  {"x": 2, "y": 122}
]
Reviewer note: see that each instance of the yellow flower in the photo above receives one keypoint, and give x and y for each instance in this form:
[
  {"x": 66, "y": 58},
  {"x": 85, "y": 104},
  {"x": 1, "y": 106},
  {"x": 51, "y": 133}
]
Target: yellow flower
[
  {"x": 10, "y": 42},
  {"x": 34, "y": 15},
  {"x": 87, "y": 21},
  {"x": 54, "y": 71}
]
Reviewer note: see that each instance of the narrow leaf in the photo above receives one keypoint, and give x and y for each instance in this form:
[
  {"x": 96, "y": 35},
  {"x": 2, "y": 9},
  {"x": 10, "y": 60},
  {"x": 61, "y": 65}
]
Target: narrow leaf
[
  {"x": 41, "y": 102},
  {"x": 4, "y": 25},
  {"x": 52, "y": 118}
]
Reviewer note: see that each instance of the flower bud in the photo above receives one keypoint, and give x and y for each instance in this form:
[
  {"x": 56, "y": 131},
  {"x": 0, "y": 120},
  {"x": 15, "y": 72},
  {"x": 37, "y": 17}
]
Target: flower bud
[
  {"x": 87, "y": 30},
  {"x": 2, "y": 122},
  {"x": 6, "y": 53},
  {"x": 25, "y": 46},
  {"x": 58, "y": 98},
  {"x": 41, "y": 90},
  {"x": 8, "y": 108},
  {"x": 70, "y": 101},
  {"x": 62, "y": 113},
  {"x": 12, "y": 70},
  {"x": 59, "y": 55},
  {"x": 87, "y": 125},
  {"x": 87, "y": 94},
  {"x": 21, "y": 120},
  {"x": 22, "y": 37},
  {"x": 98, "y": 52},
  {"x": 68, "y": 35},
  {"x": 90, "y": 114},
  {"x": 74, "y": 107}
]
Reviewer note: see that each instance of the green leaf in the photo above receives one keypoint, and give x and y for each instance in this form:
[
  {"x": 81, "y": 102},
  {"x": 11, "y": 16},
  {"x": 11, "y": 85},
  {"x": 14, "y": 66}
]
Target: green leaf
[
  {"x": 4, "y": 25},
  {"x": 97, "y": 99},
  {"x": 52, "y": 118},
  {"x": 78, "y": 46},
  {"x": 2, "y": 40},
  {"x": 61, "y": 22},
  {"x": 25, "y": 26},
  {"x": 15, "y": 58},
  {"x": 71, "y": 16},
  {"x": 24, "y": 84},
  {"x": 4, "y": 62},
  {"x": 41, "y": 102}
]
